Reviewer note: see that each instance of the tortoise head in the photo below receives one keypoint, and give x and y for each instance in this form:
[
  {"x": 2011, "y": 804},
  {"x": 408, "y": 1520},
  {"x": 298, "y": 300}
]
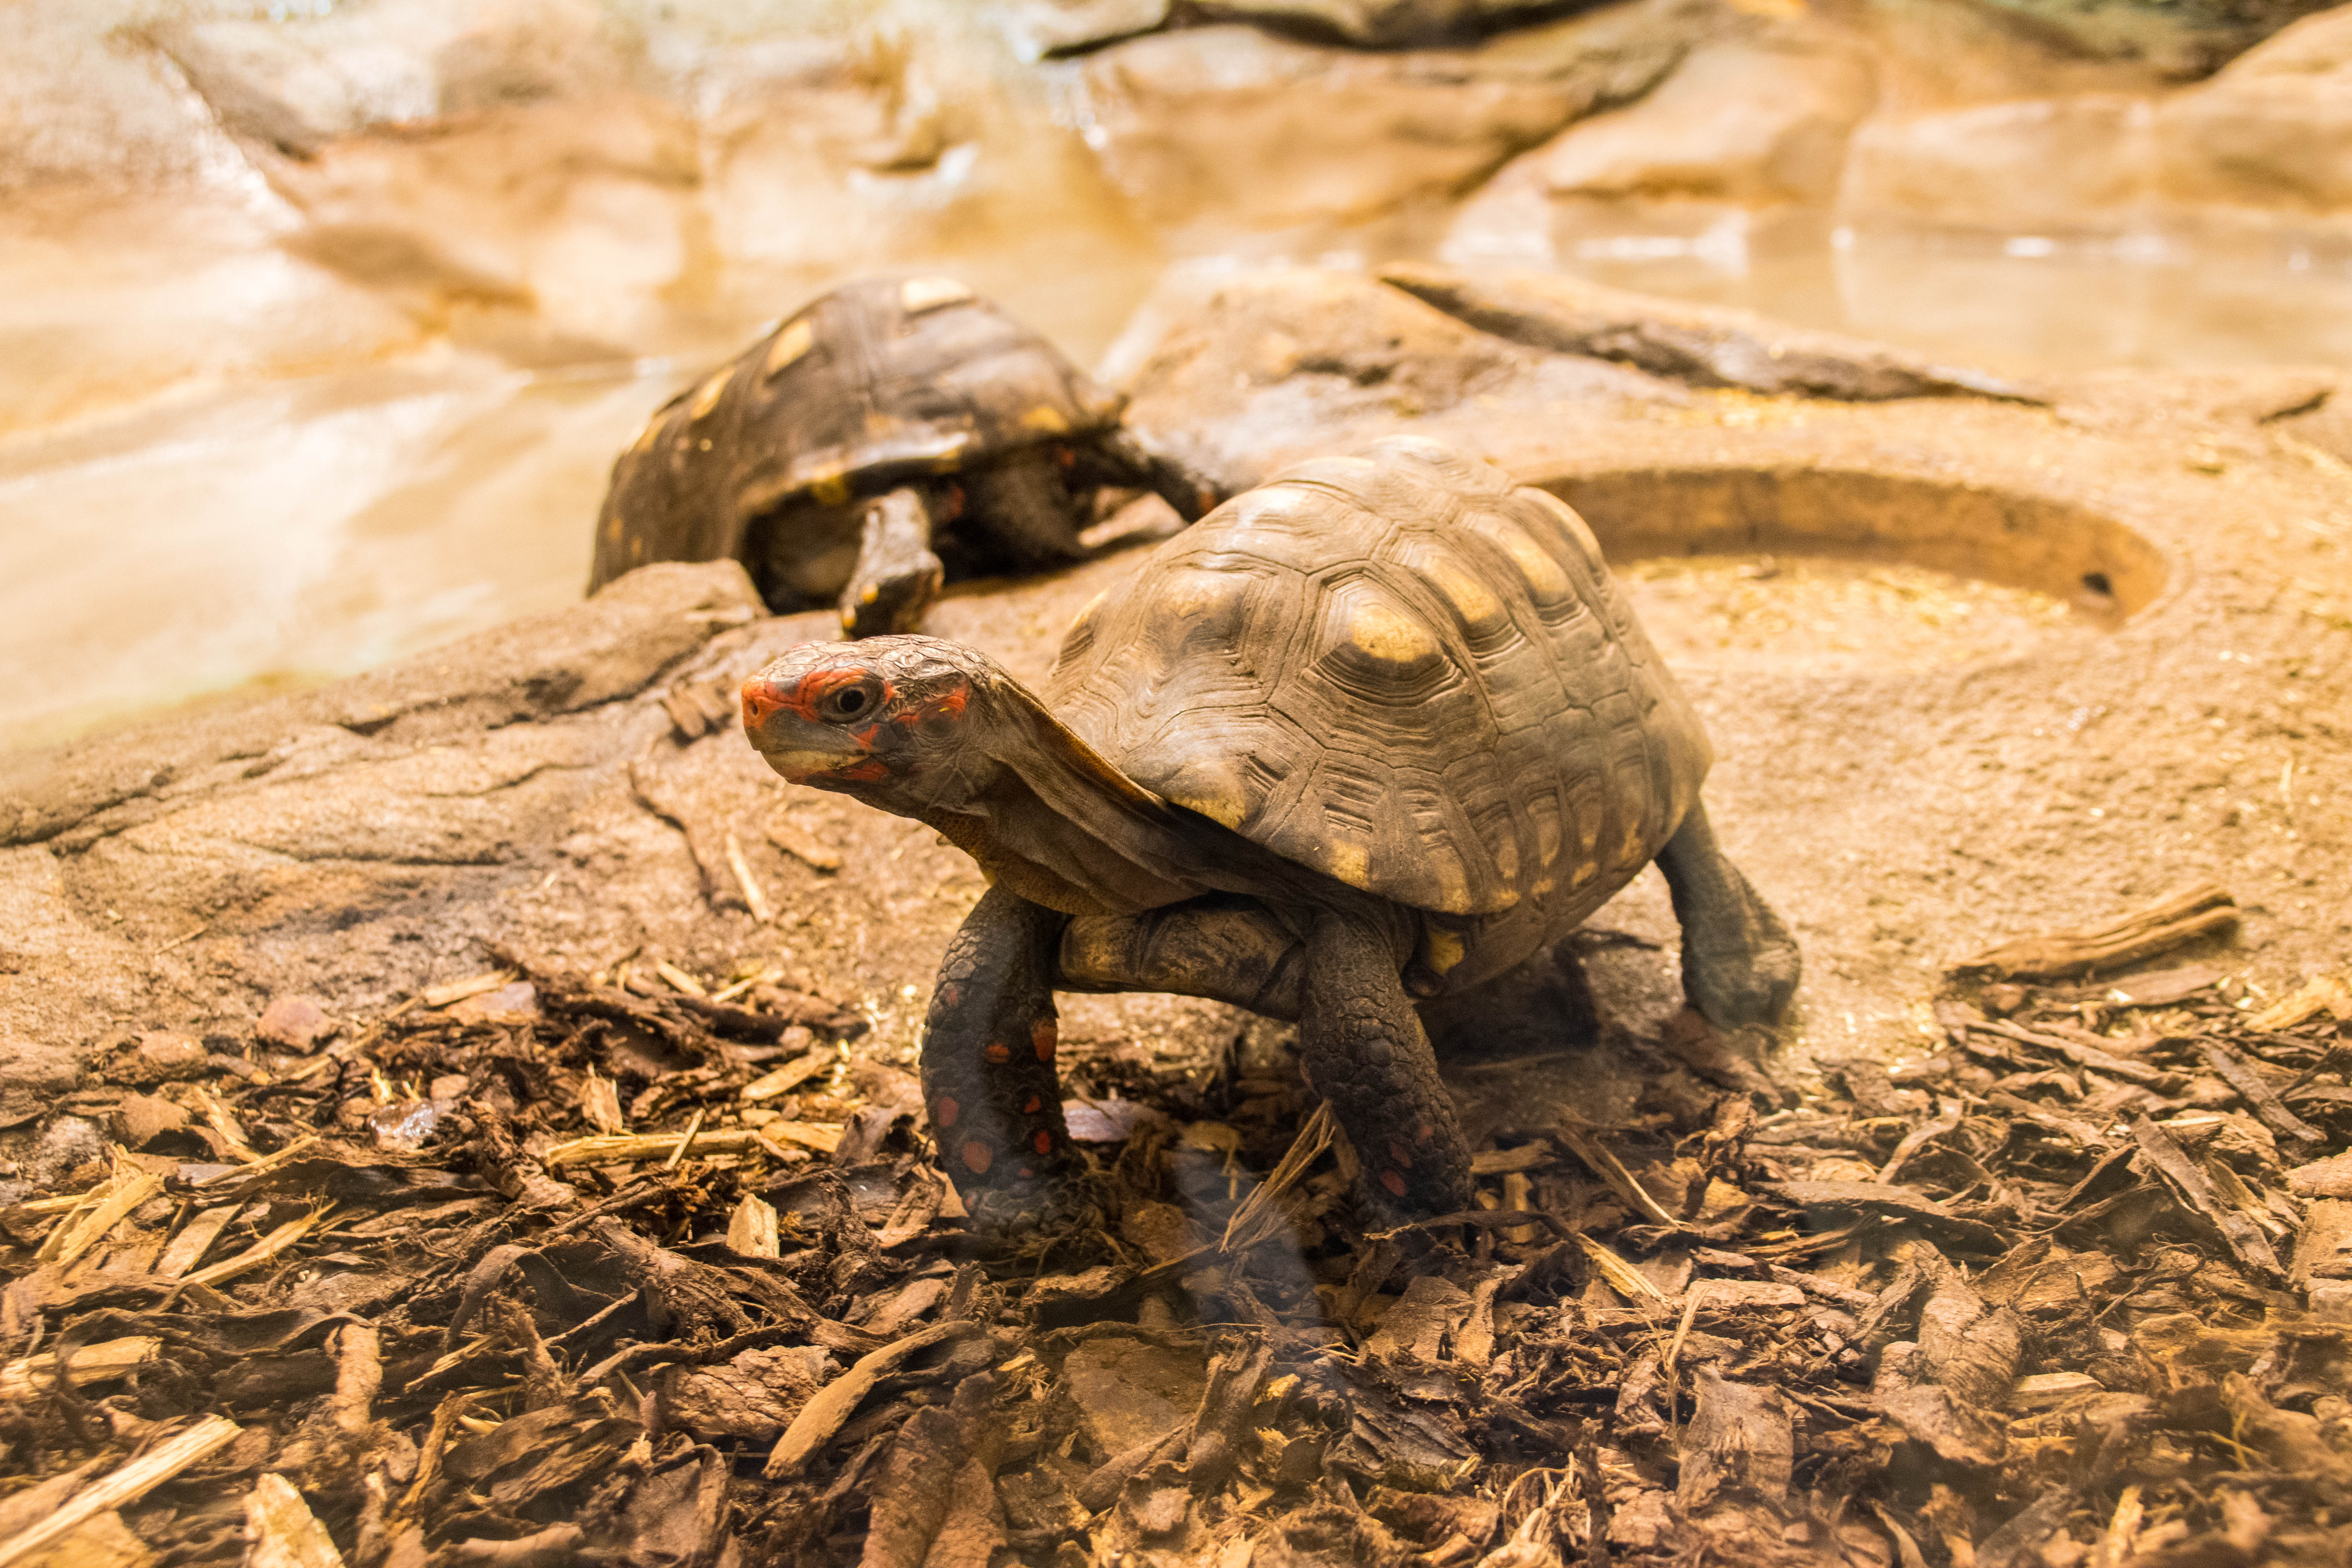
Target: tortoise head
[{"x": 889, "y": 719}]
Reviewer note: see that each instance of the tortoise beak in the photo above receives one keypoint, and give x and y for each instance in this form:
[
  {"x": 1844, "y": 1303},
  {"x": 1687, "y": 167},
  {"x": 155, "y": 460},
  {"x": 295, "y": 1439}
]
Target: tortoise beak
[{"x": 793, "y": 746}]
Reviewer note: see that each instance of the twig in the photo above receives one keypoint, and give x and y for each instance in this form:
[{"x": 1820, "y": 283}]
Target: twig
[
  {"x": 1948, "y": 1113},
  {"x": 753, "y": 898},
  {"x": 253, "y": 1256},
  {"x": 125, "y": 1486},
  {"x": 1612, "y": 1170},
  {"x": 686, "y": 1141}
]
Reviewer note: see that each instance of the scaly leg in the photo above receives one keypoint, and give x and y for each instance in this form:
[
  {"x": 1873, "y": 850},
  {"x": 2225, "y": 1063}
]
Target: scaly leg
[
  {"x": 897, "y": 576},
  {"x": 1363, "y": 1050},
  {"x": 1130, "y": 462},
  {"x": 1739, "y": 963},
  {"x": 1024, "y": 506},
  {"x": 987, "y": 1062}
]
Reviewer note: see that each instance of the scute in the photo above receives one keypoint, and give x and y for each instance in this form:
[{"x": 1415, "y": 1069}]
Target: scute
[{"x": 1402, "y": 671}]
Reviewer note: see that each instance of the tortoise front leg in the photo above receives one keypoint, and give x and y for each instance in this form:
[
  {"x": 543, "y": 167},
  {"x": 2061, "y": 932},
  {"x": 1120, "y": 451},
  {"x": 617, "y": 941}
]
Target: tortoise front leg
[
  {"x": 1363, "y": 1049},
  {"x": 988, "y": 1061},
  {"x": 897, "y": 576},
  {"x": 1739, "y": 963}
]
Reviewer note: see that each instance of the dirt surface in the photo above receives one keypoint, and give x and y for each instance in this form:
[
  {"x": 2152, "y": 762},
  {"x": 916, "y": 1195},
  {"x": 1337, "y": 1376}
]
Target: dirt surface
[{"x": 227, "y": 900}]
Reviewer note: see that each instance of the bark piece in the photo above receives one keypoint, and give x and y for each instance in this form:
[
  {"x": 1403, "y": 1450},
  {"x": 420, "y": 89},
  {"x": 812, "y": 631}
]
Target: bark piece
[
  {"x": 1739, "y": 1441},
  {"x": 2190, "y": 1184},
  {"x": 2177, "y": 918}
]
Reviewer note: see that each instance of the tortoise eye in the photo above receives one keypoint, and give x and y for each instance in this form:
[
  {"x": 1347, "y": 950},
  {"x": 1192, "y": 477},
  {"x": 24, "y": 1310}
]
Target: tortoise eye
[{"x": 848, "y": 702}]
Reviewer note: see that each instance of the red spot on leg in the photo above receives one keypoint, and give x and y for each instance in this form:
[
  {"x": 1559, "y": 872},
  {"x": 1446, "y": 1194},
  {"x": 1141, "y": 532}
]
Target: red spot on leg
[
  {"x": 1401, "y": 1155},
  {"x": 1042, "y": 1141},
  {"x": 1393, "y": 1180},
  {"x": 1045, "y": 1034},
  {"x": 977, "y": 1159},
  {"x": 951, "y": 994},
  {"x": 1032, "y": 1105},
  {"x": 944, "y": 1114},
  {"x": 998, "y": 1052},
  {"x": 1424, "y": 1132}
]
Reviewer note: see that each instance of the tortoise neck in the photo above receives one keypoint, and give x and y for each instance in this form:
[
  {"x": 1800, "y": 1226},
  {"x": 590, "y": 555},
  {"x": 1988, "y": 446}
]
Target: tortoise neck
[{"x": 1062, "y": 826}]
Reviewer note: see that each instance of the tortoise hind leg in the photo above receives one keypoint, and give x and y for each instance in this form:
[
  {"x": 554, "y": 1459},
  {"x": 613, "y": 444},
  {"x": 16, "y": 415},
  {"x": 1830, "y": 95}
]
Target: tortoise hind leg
[
  {"x": 1023, "y": 507},
  {"x": 989, "y": 1081},
  {"x": 1739, "y": 963},
  {"x": 1364, "y": 1051},
  {"x": 1128, "y": 461},
  {"x": 897, "y": 576}
]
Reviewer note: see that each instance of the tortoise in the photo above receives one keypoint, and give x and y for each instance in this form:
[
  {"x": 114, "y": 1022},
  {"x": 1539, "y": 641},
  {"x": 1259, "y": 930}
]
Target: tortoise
[
  {"x": 1382, "y": 729},
  {"x": 828, "y": 454}
]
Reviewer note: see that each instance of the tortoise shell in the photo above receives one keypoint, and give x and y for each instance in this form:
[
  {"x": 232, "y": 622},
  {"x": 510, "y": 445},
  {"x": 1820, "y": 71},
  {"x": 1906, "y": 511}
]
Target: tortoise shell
[
  {"x": 858, "y": 390},
  {"x": 1404, "y": 672}
]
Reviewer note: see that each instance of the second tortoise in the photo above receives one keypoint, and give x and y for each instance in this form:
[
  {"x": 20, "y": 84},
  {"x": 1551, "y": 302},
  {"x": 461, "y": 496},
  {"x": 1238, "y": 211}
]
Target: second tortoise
[{"x": 831, "y": 456}]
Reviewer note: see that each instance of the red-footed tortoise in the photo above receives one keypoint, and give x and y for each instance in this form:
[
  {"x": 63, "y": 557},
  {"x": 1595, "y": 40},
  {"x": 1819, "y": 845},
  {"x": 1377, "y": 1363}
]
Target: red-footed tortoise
[
  {"x": 1384, "y": 728},
  {"x": 826, "y": 456}
]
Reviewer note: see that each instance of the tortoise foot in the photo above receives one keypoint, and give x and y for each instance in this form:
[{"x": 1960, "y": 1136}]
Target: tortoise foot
[
  {"x": 1740, "y": 966},
  {"x": 1015, "y": 1217}
]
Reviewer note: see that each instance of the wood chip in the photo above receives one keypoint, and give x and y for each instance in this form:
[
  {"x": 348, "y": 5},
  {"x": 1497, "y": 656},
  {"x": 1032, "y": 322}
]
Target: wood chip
[
  {"x": 104, "y": 1362},
  {"x": 128, "y": 1485},
  {"x": 1502, "y": 1161},
  {"x": 472, "y": 986},
  {"x": 791, "y": 1076},
  {"x": 1612, "y": 1170},
  {"x": 281, "y": 1530},
  {"x": 2046, "y": 1389},
  {"x": 751, "y": 1228},
  {"x": 600, "y": 1104},
  {"x": 2189, "y": 1183},
  {"x": 261, "y": 1252},
  {"x": 2175, "y": 918},
  {"x": 2247, "y": 1080},
  {"x": 1622, "y": 1277},
  {"x": 680, "y": 981},
  {"x": 628, "y": 1148},
  {"x": 130, "y": 1187},
  {"x": 187, "y": 1249},
  {"x": 830, "y": 1409},
  {"x": 2325, "y": 994}
]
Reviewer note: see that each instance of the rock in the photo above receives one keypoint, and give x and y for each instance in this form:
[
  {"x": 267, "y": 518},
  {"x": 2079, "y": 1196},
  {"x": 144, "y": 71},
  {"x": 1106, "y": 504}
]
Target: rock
[
  {"x": 1272, "y": 361},
  {"x": 2328, "y": 1178},
  {"x": 539, "y": 666},
  {"x": 1755, "y": 122},
  {"x": 2039, "y": 166},
  {"x": 33, "y": 1076},
  {"x": 2182, "y": 40},
  {"x": 164, "y": 1057},
  {"x": 294, "y": 1024},
  {"x": 64, "y": 1147},
  {"x": 1232, "y": 123},
  {"x": 297, "y": 83},
  {"x": 139, "y": 1119},
  {"x": 2273, "y": 132},
  {"x": 1703, "y": 345},
  {"x": 1043, "y": 28}
]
